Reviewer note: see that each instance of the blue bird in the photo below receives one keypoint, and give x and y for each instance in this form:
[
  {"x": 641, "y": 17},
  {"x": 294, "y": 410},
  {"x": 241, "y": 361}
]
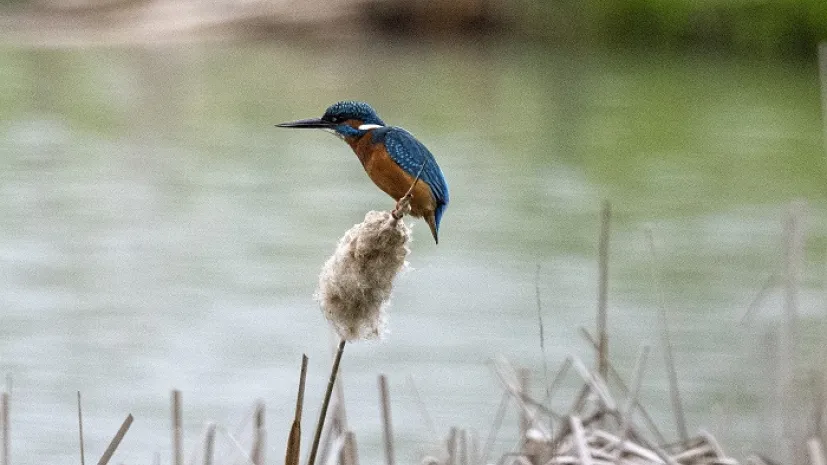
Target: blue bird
[{"x": 391, "y": 156}]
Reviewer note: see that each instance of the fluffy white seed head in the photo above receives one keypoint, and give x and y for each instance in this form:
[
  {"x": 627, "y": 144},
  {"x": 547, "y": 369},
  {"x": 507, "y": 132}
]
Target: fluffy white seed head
[{"x": 356, "y": 281}]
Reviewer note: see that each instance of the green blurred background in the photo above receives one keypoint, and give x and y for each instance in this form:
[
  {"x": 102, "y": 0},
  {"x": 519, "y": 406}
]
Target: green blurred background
[{"x": 160, "y": 233}]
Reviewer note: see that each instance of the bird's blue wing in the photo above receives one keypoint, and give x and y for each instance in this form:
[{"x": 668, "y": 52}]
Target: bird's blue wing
[{"x": 410, "y": 155}]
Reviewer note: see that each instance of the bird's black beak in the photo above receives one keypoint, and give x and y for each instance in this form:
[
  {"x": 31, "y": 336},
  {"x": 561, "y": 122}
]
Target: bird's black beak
[{"x": 312, "y": 123}]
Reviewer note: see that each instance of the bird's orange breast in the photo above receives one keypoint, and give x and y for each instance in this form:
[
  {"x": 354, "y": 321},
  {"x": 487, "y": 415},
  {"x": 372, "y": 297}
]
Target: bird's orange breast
[{"x": 391, "y": 178}]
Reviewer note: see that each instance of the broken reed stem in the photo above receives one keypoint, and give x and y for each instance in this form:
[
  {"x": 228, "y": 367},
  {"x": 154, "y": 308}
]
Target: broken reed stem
[
  {"x": 315, "y": 447},
  {"x": 822, "y": 71},
  {"x": 631, "y": 401},
  {"x": 235, "y": 443},
  {"x": 294, "y": 439},
  {"x": 793, "y": 252},
  {"x": 423, "y": 409},
  {"x": 524, "y": 380},
  {"x": 452, "y": 446},
  {"x": 339, "y": 412},
  {"x": 209, "y": 443},
  {"x": 474, "y": 448},
  {"x": 4, "y": 419},
  {"x": 772, "y": 281},
  {"x": 80, "y": 432},
  {"x": 817, "y": 387},
  {"x": 542, "y": 331},
  {"x": 509, "y": 377},
  {"x": 177, "y": 444},
  {"x": 624, "y": 389},
  {"x": 495, "y": 427},
  {"x": 333, "y": 435},
  {"x": 603, "y": 292},
  {"x": 116, "y": 441},
  {"x": 350, "y": 453},
  {"x": 595, "y": 383},
  {"x": 386, "y": 419},
  {"x": 580, "y": 441},
  {"x": 558, "y": 378},
  {"x": 674, "y": 392},
  {"x": 634, "y": 391},
  {"x": 259, "y": 436},
  {"x": 816, "y": 452},
  {"x": 462, "y": 447}
]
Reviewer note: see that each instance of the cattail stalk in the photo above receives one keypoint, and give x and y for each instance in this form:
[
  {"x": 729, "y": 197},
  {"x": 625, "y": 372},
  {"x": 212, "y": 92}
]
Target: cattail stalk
[{"x": 323, "y": 413}]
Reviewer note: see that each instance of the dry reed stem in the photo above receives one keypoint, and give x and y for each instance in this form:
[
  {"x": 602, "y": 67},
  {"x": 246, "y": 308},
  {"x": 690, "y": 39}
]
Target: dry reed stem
[
  {"x": 177, "y": 441},
  {"x": 387, "y": 426},
  {"x": 495, "y": 427},
  {"x": 711, "y": 441},
  {"x": 817, "y": 391},
  {"x": 462, "y": 446},
  {"x": 692, "y": 453},
  {"x": 336, "y": 448},
  {"x": 209, "y": 443},
  {"x": 603, "y": 292},
  {"x": 632, "y": 400},
  {"x": 526, "y": 417},
  {"x": 339, "y": 412},
  {"x": 542, "y": 333},
  {"x": 624, "y": 389},
  {"x": 350, "y": 451},
  {"x": 816, "y": 451},
  {"x": 259, "y": 437},
  {"x": 632, "y": 448},
  {"x": 674, "y": 391},
  {"x": 323, "y": 413},
  {"x": 656, "y": 449},
  {"x": 580, "y": 441},
  {"x": 822, "y": 71},
  {"x": 294, "y": 439},
  {"x": 452, "y": 446},
  {"x": 4, "y": 419},
  {"x": 558, "y": 378},
  {"x": 793, "y": 253},
  {"x": 237, "y": 445},
  {"x": 506, "y": 374},
  {"x": 772, "y": 281},
  {"x": 474, "y": 448},
  {"x": 80, "y": 432},
  {"x": 334, "y": 433},
  {"x": 423, "y": 409},
  {"x": 110, "y": 450},
  {"x": 596, "y": 383}
]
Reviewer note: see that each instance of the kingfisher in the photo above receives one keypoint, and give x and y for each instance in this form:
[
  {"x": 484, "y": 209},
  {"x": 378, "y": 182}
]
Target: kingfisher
[{"x": 392, "y": 157}]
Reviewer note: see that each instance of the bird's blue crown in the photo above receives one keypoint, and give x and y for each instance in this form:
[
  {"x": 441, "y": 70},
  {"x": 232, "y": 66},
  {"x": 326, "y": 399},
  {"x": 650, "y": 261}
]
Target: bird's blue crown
[{"x": 343, "y": 111}]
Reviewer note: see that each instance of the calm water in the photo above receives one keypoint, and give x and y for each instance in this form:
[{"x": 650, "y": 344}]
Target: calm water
[{"x": 159, "y": 232}]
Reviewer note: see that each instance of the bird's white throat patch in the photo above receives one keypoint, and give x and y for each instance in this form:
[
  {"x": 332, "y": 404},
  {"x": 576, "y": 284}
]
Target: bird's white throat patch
[{"x": 368, "y": 127}]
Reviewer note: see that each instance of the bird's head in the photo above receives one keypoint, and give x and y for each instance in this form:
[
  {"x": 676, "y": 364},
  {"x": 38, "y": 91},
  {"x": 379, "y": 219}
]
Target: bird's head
[{"x": 346, "y": 119}]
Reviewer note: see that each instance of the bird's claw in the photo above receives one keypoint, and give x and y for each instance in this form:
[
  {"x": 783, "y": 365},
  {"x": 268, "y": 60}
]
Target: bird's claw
[{"x": 403, "y": 207}]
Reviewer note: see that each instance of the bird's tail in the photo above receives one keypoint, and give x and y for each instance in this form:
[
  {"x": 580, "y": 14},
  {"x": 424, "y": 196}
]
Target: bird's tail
[{"x": 431, "y": 220}]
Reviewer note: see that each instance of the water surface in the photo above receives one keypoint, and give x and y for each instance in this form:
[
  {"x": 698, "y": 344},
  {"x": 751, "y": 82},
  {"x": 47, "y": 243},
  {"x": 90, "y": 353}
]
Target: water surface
[{"x": 160, "y": 233}]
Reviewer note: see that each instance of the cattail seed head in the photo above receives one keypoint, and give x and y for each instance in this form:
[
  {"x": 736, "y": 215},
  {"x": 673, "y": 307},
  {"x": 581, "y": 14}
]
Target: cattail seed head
[{"x": 356, "y": 281}]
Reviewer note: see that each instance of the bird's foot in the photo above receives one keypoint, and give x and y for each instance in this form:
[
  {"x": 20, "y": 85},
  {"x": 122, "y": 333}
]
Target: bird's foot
[{"x": 403, "y": 207}]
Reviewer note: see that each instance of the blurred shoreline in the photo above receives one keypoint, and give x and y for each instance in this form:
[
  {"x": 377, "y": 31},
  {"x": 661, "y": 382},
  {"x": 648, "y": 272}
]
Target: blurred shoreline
[{"x": 787, "y": 29}]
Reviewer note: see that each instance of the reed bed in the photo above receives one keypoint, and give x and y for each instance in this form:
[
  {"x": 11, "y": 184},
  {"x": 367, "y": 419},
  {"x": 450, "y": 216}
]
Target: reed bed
[{"x": 606, "y": 424}]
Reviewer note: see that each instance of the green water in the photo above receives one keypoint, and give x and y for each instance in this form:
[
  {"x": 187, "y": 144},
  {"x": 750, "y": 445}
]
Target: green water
[{"x": 160, "y": 233}]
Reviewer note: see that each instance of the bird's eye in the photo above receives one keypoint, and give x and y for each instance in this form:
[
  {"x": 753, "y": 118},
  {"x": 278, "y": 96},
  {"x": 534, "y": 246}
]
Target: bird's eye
[{"x": 335, "y": 119}]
